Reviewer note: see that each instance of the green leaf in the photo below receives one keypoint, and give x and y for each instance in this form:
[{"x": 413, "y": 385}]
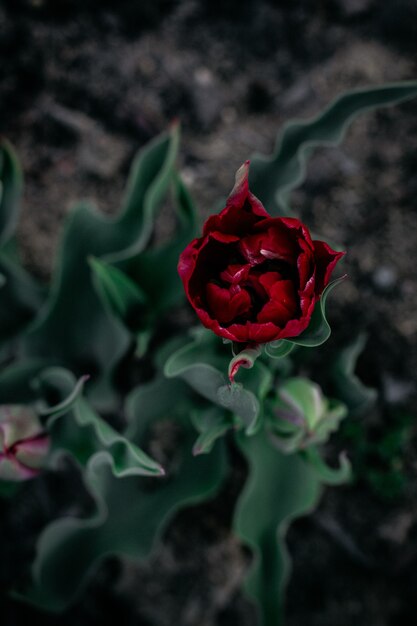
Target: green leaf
[
  {"x": 73, "y": 424},
  {"x": 201, "y": 366},
  {"x": 349, "y": 388},
  {"x": 124, "y": 457},
  {"x": 129, "y": 516},
  {"x": 20, "y": 299},
  {"x": 151, "y": 174},
  {"x": 11, "y": 183},
  {"x": 52, "y": 377},
  {"x": 143, "y": 287},
  {"x": 16, "y": 381},
  {"x": 279, "y": 488},
  {"x": 245, "y": 358},
  {"x": 212, "y": 423},
  {"x": 279, "y": 349},
  {"x": 155, "y": 269},
  {"x": 20, "y": 296},
  {"x": 318, "y": 331},
  {"x": 74, "y": 327},
  {"x": 329, "y": 475},
  {"x": 77, "y": 429},
  {"x": 272, "y": 178},
  {"x": 123, "y": 297}
]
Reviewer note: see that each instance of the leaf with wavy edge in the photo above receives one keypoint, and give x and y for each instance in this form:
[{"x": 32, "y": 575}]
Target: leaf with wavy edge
[
  {"x": 11, "y": 184},
  {"x": 70, "y": 550},
  {"x": 21, "y": 299},
  {"x": 329, "y": 475},
  {"x": 20, "y": 296},
  {"x": 279, "y": 488},
  {"x": 139, "y": 289},
  {"x": 74, "y": 426},
  {"x": 279, "y": 349},
  {"x": 349, "y": 387},
  {"x": 272, "y": 178},
  {"x": 70, "y": 398},
  {"x": 96, "y": 342},
  {"x": 212, "y": 423},
  {"x": 16, "y": 381},
  {"x": 318, "y": 331},
  {"x": 155, "y": 270},
  {"x": 201, "y": 366},
  {"x": 120, "y": 294}
]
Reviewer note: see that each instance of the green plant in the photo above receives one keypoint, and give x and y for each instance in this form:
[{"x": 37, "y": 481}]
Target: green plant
[{"x": 68, "y": 355}]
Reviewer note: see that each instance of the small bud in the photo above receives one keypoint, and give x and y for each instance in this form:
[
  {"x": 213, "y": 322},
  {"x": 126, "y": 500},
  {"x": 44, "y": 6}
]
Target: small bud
[
  {"x": 23, "y": 443},
  {"x": 302, "y": 416}
]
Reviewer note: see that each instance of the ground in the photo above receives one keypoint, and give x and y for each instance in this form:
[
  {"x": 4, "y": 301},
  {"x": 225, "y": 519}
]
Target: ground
[{"x": 83, "y": 86}]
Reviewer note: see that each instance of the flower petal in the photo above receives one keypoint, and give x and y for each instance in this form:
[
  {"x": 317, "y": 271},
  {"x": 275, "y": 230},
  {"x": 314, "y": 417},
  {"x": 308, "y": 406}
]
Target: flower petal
[
  {"x": 326, "y": 259},
  {"x": 243, "y": 210},
  {"x": 227, "y": 304},
  {"x": 282, "y": 305},
  {"x": 235, "y": 273}
]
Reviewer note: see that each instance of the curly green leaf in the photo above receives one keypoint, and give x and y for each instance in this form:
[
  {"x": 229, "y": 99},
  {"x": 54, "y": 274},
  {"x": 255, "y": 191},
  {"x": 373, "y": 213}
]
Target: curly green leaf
[
  {"x": 70, "y": 550},
  {"x": 273, "y": 178},
  {"x": 279, "y": 488}
]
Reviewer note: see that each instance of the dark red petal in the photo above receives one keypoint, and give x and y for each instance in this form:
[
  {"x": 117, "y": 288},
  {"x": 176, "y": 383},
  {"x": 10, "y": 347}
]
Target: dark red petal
[
  {"x": 274, "y": 311},
  {"x": 187, "y": 260},
  {"x": 307, "y": 296},
  {"x": 243, "y": 210},
  {"x": 223, "y": 237},
  {"x": 254, "y": 332},
  {"x": 240, "y": 193},
  {"x": 268, "y": 280},
  {"x": 251, "y": 248},
  {"x": 305, "y": 264},
  {"x": 282, "y": 306},
  {"x": 274, "y": 241},
  {"x": 284, "y": 292},
  {"x": 201, "y": 262},
  {"x": 326, "y": 259},
  {"x": 294, "y": 223},
  {"x": 293, "y": 328},
  {"x": 227, "y": 304},
  {"x": 235, "y": 273},
  {"x": 279, "y": 243}
]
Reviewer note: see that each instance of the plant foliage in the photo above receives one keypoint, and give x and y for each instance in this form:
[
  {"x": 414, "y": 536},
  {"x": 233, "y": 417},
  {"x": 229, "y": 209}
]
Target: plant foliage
[{"x": 69, "y": 354}]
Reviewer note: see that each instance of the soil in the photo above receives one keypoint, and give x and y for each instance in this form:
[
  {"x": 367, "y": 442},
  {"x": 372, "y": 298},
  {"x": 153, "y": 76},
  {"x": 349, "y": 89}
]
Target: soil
[{"x": 83, "y": 85}]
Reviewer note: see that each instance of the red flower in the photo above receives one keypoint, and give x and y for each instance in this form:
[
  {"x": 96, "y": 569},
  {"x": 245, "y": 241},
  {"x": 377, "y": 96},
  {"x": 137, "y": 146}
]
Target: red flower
[
  {"x": 23, "y": 444},
  {"x": 251, "y": 277}
]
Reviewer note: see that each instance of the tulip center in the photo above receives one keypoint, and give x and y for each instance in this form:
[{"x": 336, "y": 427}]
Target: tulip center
[{"x": 261, "y": 290}]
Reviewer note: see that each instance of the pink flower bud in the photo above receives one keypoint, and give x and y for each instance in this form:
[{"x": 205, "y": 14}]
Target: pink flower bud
[{"x": 23, "y": 443}]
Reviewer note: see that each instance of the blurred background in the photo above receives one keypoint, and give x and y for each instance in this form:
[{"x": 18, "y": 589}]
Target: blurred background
[{"x": 83, "y": 85}]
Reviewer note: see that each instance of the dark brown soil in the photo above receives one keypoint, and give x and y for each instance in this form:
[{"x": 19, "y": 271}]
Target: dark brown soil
[{"x": 83, "y": 85}]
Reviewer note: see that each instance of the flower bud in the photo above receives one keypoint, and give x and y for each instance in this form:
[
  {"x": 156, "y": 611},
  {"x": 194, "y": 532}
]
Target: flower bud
[
  {"x": 302, "y": 416},
  {"x": 23, "y": 443},
  {"x": 253, "y": 278}
]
